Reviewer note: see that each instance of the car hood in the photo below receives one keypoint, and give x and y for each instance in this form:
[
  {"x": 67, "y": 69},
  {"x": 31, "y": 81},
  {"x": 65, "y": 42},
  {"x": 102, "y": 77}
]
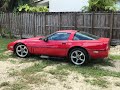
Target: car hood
[{"x": 30, "y": 39}]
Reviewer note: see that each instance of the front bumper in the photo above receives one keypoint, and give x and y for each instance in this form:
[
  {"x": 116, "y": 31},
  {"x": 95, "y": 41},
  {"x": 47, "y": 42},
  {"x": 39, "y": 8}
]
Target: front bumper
[{"x": 11, "y": 46}]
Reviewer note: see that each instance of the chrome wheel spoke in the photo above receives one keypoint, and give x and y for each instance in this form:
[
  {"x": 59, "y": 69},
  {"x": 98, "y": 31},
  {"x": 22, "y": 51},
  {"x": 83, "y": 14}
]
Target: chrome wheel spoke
[
  {"x": 77, "y": 60},
  {"x": 21, "y": 50},
  {"x": 78, "y": 57},
  {"x": 81, "y": 59},
  {"x": 73, "y": 57},
  {"x": 76, "y": 52},
  {"x": 81, "y": 54},
  {"x": 20, "y": 47},
  {"x": 24, "y": 52}
]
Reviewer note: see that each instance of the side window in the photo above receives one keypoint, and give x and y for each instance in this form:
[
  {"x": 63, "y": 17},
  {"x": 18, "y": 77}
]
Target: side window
[
  {"x": 79, "y": 36},
  {"x": 59, "y": 36}
]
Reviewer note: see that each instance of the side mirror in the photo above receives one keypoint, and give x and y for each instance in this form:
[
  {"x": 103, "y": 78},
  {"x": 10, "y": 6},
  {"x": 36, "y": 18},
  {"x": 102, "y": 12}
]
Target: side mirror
[{"x": 45, "y": 39}]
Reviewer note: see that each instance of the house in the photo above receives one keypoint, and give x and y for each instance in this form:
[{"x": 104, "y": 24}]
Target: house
[
  {"x": 41, "y": 2},
  {"x": 66, "y": 5},
  {"x": 118, "y": 5},
  {"x": 62, "y": 5}
]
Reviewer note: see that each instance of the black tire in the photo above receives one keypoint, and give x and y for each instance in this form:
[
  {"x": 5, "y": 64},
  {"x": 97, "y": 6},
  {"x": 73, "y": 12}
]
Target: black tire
[
  {"x": 21, "y": 50},
  {"x": 78, "y": 59}
]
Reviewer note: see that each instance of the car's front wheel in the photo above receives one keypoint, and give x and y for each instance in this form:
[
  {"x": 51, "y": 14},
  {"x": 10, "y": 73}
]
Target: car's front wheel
[
  {"x": 78, "y": 56},
  {"x": 21, "y": 50}
]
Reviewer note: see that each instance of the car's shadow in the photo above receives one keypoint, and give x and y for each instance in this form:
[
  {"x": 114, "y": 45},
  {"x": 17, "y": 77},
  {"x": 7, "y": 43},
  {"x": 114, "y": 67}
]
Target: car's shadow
[
  {"x": 91, "y": 63},
  {"x": 101, "y": 62},
  {"x": 56, "y": 60}
]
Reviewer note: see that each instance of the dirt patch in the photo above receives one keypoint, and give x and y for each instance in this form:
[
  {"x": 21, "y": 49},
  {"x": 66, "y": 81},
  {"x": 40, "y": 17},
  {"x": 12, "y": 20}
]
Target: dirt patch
[
  {"x": 115, "y": 67},
  {"x": 115, "y": 50},
  {"x": 74, "y": 81},
  {"x": 7, "y": 66},
  {"x": 48, "y": 68},
  {"x": 8, "y": 53},
  {"x": 112, "y": 81},
  {"x": 4, "y": 68}
]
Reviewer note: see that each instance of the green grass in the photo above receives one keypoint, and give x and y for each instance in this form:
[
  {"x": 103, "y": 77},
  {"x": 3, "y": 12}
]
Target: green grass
[
  {"x": 90, "y": 71},
  {"x": 3, "y": 84},
  {"x": 35, "y": 79},
  {"x": 59, "y": 73},
  {"x": 37, "y": 67},
  {"x": 3, "y": 44},
  {"x": 14, "y": 86},
  {"x": 62, "y": 70},
  {"x": 117, "y": 84},
  {"x": 18, "y": 86},
  {"x": 98, "y": 82},
  {"x": 29, "y": 74},
  {"x": 13, "y": 73},
  {"x": 115, "y": 57},
  {"x": 3, "y": 47}
]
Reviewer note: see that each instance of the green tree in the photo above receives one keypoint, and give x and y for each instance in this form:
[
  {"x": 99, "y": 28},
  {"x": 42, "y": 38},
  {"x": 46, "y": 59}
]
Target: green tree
[
  {"x": 27, "y": 8},
  {"x": 10, "y": 5},
  {"x": 20, "y": 6},
  {"x": 100, "y": 5}
]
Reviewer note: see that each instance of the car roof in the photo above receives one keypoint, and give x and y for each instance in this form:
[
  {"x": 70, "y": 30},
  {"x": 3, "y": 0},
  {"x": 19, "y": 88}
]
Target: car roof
[{"x": 68, "y": 31}]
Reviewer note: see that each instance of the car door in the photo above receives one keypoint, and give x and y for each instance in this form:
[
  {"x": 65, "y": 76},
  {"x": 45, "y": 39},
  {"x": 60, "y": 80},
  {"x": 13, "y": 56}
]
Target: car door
[{"x": 56, "y": 45}]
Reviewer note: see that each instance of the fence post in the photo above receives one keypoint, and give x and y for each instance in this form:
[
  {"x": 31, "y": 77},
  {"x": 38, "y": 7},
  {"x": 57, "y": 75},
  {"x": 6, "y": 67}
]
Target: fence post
[
  {"x": 111, "y": 25},
  {"x": 34, "y": 34},
  {"x": 59, "y": 21},
  {"x": 0, "y": 25},
  {"x": 9, "y": 25},
  {"x": 20, "y": 27},
  {"x": 45, "y": 23},
  {"x": 92, "y": 23},
  {"x": 0, "y": 30},
  {"x": 75, "y": 20}
]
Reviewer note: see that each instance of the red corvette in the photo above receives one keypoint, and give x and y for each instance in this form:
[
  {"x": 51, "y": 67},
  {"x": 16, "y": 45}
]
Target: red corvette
[{"x": 79, "y": 47}]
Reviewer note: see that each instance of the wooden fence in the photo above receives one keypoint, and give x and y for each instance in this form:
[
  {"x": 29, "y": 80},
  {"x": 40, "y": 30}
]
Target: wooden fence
[{"x": 34, "y": 24}]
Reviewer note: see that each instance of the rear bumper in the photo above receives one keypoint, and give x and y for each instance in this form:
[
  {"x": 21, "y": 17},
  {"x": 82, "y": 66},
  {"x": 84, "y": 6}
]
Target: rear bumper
[{"x": 97, "y": 54}]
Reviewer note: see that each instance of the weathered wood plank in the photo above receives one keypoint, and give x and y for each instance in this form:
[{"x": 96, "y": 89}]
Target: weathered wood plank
[{"x": 34, "y": 24}]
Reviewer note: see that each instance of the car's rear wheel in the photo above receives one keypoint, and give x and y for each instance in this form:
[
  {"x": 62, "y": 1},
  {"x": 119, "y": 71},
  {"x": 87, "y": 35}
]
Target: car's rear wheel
[
  {"x": 78, "y": 56},
  {"x": 21, "y": 50}
]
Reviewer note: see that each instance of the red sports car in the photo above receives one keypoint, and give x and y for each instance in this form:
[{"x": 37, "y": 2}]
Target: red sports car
[{"x": 79, "y": 47}]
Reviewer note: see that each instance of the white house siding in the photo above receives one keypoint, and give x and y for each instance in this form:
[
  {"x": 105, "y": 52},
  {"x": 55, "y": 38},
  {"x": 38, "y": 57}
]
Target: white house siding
[
  {"x": 67, "y": 5},
  {"x": 118, "y": 5}
]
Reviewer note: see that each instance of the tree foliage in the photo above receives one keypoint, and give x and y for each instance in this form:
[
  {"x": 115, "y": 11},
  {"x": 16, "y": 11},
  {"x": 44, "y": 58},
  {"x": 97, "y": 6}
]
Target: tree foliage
[
  {"x": 10, "y": 5},
  {"x": 20, "y": 5},
  {"x": 100, "y": 5},
  {"x": 27, "y": 8}
]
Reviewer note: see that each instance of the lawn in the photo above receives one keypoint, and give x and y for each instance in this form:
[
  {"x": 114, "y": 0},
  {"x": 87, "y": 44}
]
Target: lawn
[
  {"x": 35, "y": 72},
  {"x": 3, "y": 44}
]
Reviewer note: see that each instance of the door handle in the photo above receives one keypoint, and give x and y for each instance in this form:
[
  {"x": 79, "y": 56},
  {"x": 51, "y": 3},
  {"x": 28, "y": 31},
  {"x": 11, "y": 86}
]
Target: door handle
[{"x": 63, "y": 43}]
